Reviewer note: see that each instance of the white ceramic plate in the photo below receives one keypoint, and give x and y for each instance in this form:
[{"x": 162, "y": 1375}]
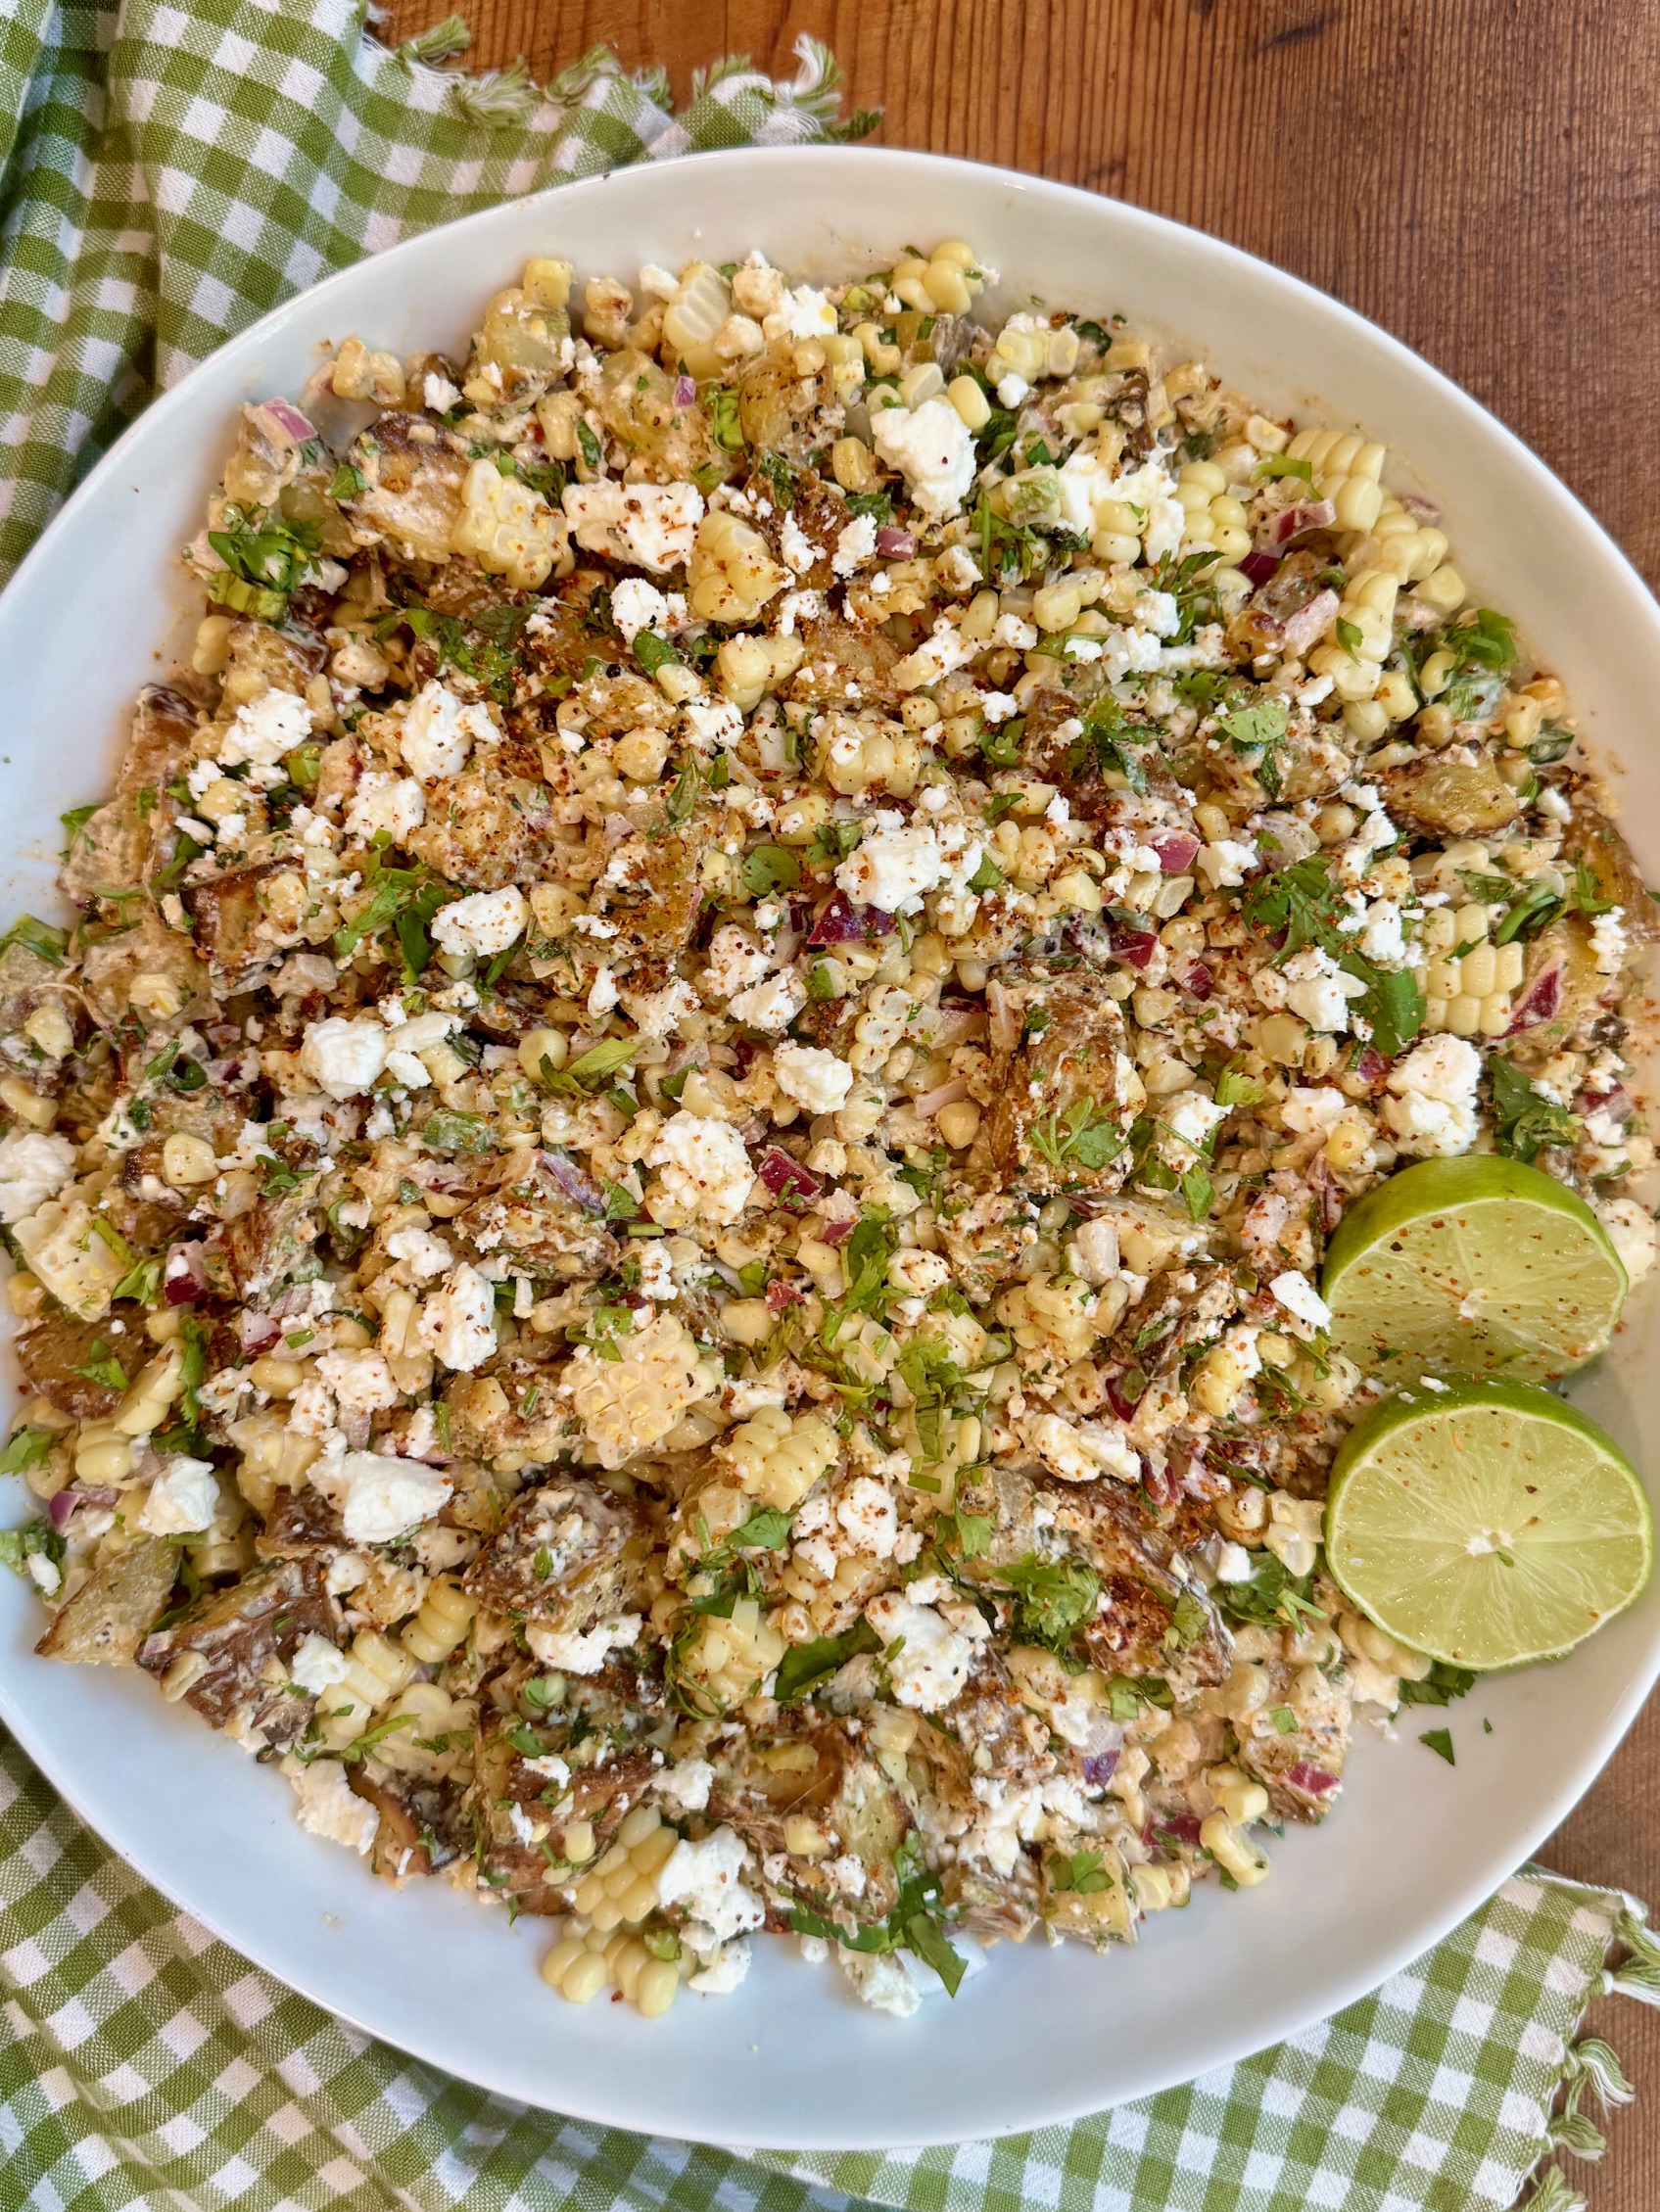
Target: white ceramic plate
[{"x": 793, "y": 2060}]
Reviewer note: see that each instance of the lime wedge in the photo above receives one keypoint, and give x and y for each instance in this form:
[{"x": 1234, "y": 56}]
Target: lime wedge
[
  {"x": 1486, "y": 1524},
  {"x": 1473, "y": 1267}
]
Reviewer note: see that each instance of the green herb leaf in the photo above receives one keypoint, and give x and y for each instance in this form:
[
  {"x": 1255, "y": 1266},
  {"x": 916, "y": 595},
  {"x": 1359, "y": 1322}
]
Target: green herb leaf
[
  {"x": 1439, "y": 1687},
  {"x": 26, "y": 1448},
  {"x": 1439, "y": 1741},
  {"x": 771, "y": 868},
  {"x": 1525, "y": 1119},
  {"x": 804, "y": 1668},
  {"x": 1281, "y": 464}
]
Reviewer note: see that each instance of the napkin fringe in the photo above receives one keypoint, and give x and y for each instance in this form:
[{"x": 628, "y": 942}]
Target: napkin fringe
[{"x": 1592, "y": 2067}]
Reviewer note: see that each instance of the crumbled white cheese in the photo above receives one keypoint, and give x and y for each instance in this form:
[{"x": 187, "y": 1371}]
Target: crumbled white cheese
[
  {"x": 1079, "y": 1451},
  {"x": 439, "y": 733},
  {"x": 806, "y": 313},
  {"x": 183, "y": 1498},
  {"x": 636, "y": 605},
  {"x": 1297, "y": 1295},
  {"x": 1432, "y": 1110},
  {"x": 263, "y": 731},
  {"x": 317, "y": 1664},
  {"x": 1225, "y": 863},
  {"x": 459, "y": 1319},
  {"x": 1631, "y": 1232},
  {"x": 705, "y": 1170},
  {"x": 933, "y": 449},
  {"x": 725, "y": 1967},
  {"x": 33, "y": 1167},
  {"x": 421, "y": 1254},
  {"x": 1382, "y": 940},
  {"x": 646, "y": 525},
  {"x": 583, "y": 1653},
  {"x": 710, "y": 723},
  {"x": 344, "y": 1054},
  {"x": 1305, "y": 1109},
  {"x": 361, "y": 1381},
  {"x": 1319, "y": 990},
  {"x": 381, "y": 801},
  {"x": 1094, "y": 1251},
  {"x": 796, "y": 546},
  {"x": 772, "y": 1005},
  {"x": 379, "y": 1497},
  {"x": 812, "y": 1076},
  {"x": 438, "y": 393},
  {"x": 735, "y": 963},
  {"x": 933, "y": 1661},
  {"x": 866, "y": 1511},
  {"x": 325, "y": 1806},
  {"x": 706, "y": 1878},
  {"x": 856, "y": 544},
  {"x": 1608, "y": 941},
  {"x": 893, "y": 870},
  {"x": 686, "y": 1787},
  {"x": 485, "y": 923}
]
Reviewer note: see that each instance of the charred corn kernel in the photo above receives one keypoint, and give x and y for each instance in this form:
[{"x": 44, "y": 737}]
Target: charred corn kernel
[
  {"x": 101, "y": 1457},
  {"x": 1478, "y": 971},
  {"x": 188, "y": 1160},
  {"x": 607, "y": 1915},
  {"x": 958, "y": 1123},
  {"x": 584, "y": 1978},
  {"x": 656, "y": 1988},
  {"x": 578, "y": 1842},
  {"x": 28, "y": 1106},
  {"x": 591, "y": 1891},
  {"x": 641, "y": 1822},
  {"x": 1471, "y": 922},
  {"x": 446, "y": 1613},
  {"x": 1496, "y": 1013},
  {"x": 1239, "y": 1798},
  {"x": 278, "y": 1377},
  {"x": 1464, "y": 1014},
  {"x": 1445, "y": 589},
  {"x": 747, "y": 1321},
  {"x": 1433, "y": 724},
  {"x": 638, "y": 1899},
  {"x": 627, "y": 1965},
  {"x": 1347, "y": 1145},
  {"x": 970, "y": 401},
  {"x": 1057, "y": 606},
  {"x": 1510, "y": 964},
  {"x": 1158, "y": 1888},
  {"x": 1234, "y": 1853},
  {"x": 1522, "y": 718},
  {"x": 919, "y": 384},
  {"x": 655, "y": 1851}
]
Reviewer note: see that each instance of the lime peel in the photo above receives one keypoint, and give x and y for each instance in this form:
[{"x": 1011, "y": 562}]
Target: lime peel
[
  {"x": 1472, "y": 1266},
  {"x": 1486, "y": 1526}
]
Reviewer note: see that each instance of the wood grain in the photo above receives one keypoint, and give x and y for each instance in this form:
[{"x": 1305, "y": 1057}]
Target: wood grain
[{"x": 1479, "y": 176}]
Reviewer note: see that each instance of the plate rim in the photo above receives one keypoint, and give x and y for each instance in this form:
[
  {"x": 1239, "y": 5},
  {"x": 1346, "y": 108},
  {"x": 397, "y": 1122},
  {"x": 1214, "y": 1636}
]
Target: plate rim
[{"x": 1458, "y": 1898}]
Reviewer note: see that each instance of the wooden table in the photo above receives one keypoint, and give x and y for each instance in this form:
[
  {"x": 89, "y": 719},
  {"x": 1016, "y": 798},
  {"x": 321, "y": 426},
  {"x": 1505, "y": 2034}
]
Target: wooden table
[{"x": 1479, "y": 176}]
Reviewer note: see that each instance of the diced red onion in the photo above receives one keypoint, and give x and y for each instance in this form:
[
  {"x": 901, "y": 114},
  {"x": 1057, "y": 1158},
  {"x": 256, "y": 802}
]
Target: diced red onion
[
  {"x": 1312, "y": 1781},
  {"x": 786, "y": 1178},
  {"x": 1134, "y": 947},
  {"x": 1372, "y": 1068},
  {"x": 1175, "y": 849},
  {"x": 59, "y": 1509},
  {"x": 894, "y": 544},
  {"x": 746, "y": 1053},
  {"x": 944, "y": 1094},
  {"x": 1100, "y": 1768},
  {"x": 1258, "y": 567},
  {"x": 837, "y": 1231},
  {"x": 1197, "y": 982},
  {"x": 844, "y": 923},
  {"x": 1162, "y": 1484},
  {"x": 686, "y": 392},
  {"x": 572, "y": 1181},
  {"x": 256, "y": 1332},
  {"x": 291, "y": 419},
  {"x": 1119, "y": 1399},
  {"x": 1309, "y": 515},
  {"x": 1179, "y": 1827},
  {"x": 184, "y": 1277},
  {"x": 781, "y": 1294},
  {"x": 1537, "y": 1003},
  {"x": 1421, "y": 510},
  {"x": 1617, "y": 1104}
]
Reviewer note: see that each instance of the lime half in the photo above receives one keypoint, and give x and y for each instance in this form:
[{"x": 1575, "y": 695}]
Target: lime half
[
  {"x": 1473, "y": 1267},
  {"x": 1486, "y": 1524}
]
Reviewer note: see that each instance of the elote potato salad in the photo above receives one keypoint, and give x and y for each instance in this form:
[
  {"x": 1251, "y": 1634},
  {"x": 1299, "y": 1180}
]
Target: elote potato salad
[{"x": 668, "y": 1196}]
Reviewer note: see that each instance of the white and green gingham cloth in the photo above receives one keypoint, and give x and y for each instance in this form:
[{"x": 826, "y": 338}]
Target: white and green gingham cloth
[{"x": 169, "y": 170}]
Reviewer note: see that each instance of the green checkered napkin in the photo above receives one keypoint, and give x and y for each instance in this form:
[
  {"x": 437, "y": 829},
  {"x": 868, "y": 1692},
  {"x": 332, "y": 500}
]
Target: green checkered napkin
[{"x": 166, "y": 174}]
